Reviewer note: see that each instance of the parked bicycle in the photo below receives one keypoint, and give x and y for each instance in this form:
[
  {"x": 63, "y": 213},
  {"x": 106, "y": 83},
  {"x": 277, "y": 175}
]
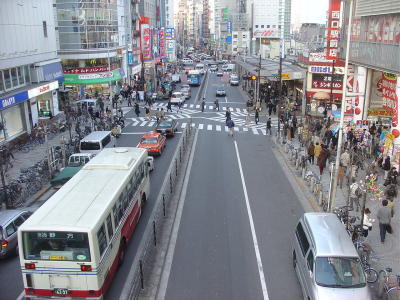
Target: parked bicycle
[{"x": 388, "y": 284}]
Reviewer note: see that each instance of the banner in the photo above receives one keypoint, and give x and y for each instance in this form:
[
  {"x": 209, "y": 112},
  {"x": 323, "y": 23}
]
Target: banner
[
  {"x": 93, "y": 78},
  {"x": 161, "y": 41},
  {"x": 130, "y": 58},
  {"x": 145, "y": 42},
  {"x": 333, "y": 29},
  {"x": 389, "y": 97},
  {"x": 169, "y": 34}
]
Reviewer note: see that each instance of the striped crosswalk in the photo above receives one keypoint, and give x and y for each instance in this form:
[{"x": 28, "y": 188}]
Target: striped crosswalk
[{"x": 193, "y": 108}]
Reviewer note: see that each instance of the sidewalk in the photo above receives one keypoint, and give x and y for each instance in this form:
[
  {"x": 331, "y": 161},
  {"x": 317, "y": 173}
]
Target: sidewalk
[{"x": 388, "y": 254}]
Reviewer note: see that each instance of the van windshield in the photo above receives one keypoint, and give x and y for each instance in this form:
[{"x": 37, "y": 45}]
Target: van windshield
[
  {"x": 339, "y": 272},
  {"x": 90, "y": 146},
  {"x": 56, "y": 245}
]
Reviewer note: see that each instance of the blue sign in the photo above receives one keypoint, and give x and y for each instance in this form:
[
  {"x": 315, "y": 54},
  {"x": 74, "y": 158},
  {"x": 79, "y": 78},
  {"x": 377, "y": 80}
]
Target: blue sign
[
  {"x": 52, "y": 72},
  {"x": 13, "y": 99},
  {"x": 229, "y": 39},
  {"x": 130, "y": 58},
  {"x": 229, "y": 27},
  {"x": 169, "y": 33}
]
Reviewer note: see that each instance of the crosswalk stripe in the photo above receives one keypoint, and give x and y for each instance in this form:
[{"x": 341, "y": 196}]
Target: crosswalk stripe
[
  {"x": 193, "y": 124},
  {"x": 264, "y": 132},
  {"x": 238, "y": 110},
  {"x": 191, "y": 105},
  {"x": 183, "y": 125},
  {"x": 236, "y": 128},
  {"x": 255, "y": 131},
  {"x": 226, "y": 128},
  {"x": 143, "y": 123},
  {"x": 209, "y": 127},
  {"x": 200, "y": 126},
  {"x": 142, "y": 119},
  {"x": 173, "y": 117},
  {"x": 210, "y": 107},
  {"x": 150, "y": 123},
  {"x": 218, "y": 127},
  {"x": 245, "y": 129},
  {"x": 185, "y": 105},
  {"x": 198, "y": 106},
  {"x": 224, "y": 108}
]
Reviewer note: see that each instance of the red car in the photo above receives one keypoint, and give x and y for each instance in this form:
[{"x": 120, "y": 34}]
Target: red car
[{"x": 154, "y": 142}]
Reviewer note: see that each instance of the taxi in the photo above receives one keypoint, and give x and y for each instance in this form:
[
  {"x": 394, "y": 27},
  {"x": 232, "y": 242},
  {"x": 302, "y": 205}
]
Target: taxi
[{"x": 154, "y": 142}]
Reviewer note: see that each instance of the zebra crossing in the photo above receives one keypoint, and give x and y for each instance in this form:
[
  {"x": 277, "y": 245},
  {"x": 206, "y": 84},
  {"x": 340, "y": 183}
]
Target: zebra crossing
[
  {"x": 195, "y": 108},
  {"x": 256, "y": 129}
]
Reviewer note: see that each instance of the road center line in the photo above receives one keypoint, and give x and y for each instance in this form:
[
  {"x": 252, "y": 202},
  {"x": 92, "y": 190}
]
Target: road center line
[
  {"x": 253, "y": 231},
  {"x": 163, "y": 285}
]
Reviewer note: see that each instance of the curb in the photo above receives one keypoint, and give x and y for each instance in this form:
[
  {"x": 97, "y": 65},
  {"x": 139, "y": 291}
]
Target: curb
[{"x": 38, "y": 194}]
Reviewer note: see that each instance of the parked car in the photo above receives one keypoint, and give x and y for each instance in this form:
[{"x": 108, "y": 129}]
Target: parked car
[
  {"x": 177, "y": 97},
  {"x": 220, "y": 91},
  {"x": 10, "y": 220},
  {"x": 154, "y": 142},
  {"x": 167, "y": 127},
  {"x": 185, "y": 92}
]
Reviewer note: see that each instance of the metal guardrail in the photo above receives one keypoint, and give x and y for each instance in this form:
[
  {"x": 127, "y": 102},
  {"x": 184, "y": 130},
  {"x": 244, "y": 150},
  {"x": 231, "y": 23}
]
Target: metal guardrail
[{"x": 147, "y": 248}]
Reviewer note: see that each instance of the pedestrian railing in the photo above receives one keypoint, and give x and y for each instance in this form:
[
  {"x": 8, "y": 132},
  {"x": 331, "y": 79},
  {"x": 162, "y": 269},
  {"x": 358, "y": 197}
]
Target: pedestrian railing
[{"x": 146, "y": 252}]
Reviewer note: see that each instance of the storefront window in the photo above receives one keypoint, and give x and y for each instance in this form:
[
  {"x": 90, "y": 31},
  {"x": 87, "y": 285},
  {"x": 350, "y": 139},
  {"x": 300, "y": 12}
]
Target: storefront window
[
  {"x": 27, "y": 74},
  {"x": 21, "y": 75},
  {"x": 44, "y": 105},
  {"x": 1, "y": 82},
  {"x": 14, "y": 77},
  {"x": 7, "y": 79},
  {"x": 12, "y": 120}
]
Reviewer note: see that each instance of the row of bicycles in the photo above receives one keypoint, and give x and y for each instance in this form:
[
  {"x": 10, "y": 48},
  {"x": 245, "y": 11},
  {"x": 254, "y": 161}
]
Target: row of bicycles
[{"x": 388, "y": 283}]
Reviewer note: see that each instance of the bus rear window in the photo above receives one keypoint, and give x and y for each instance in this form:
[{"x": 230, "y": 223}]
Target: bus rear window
[
  {"x": 90, "y": 146},
  {"x": 56, "y": 245}
]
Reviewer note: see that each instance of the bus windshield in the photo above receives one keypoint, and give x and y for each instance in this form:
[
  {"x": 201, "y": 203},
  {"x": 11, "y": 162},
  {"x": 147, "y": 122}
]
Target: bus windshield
[
  {"x": 56, "y": 245},
  {"x": 90, "y": 146}
]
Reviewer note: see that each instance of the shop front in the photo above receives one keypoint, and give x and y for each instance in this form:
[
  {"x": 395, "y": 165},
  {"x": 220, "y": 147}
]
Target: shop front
[
  {"x": 43, "y": 102},
  {"x": 12, "y": 108}
]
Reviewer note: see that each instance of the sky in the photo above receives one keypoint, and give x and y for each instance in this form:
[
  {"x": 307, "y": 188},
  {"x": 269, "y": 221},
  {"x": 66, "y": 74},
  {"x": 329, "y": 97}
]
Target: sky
[{"x": 309, "y": 11}]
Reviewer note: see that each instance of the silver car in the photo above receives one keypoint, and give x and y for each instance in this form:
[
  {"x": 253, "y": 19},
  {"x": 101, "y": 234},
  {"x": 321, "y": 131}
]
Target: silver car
[
  {"x": 326, "y": 261},
  {"x": 10, "y": 220}
]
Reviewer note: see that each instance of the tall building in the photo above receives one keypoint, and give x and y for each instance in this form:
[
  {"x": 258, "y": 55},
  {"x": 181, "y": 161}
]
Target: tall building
[
  {"x": 94, "y": 39},
  {"x": 30, "y": 71},
  {"x": 270, "y": 24}
]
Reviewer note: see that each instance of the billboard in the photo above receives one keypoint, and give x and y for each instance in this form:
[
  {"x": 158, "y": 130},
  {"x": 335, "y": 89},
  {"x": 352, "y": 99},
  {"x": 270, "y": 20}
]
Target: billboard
[
  {"x": 333, "y": 29},
  {"x": 161, "y": 42},
  {"x": 145, "y": 42}
]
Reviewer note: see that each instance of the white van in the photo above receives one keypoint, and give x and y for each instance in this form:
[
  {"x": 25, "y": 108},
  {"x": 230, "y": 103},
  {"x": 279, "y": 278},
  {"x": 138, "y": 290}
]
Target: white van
[
  {"x": 95, "y": 142},
  {"x": 200, "y": 67},
  {"x": 326, "y": 261}
]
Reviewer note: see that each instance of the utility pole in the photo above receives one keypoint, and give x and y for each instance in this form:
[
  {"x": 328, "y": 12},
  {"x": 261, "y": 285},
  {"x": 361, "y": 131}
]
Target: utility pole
[
  {"x": 258, "y": 82},
  {"x": 280, "y": 86},
  {"x": 332, "y": 199}
]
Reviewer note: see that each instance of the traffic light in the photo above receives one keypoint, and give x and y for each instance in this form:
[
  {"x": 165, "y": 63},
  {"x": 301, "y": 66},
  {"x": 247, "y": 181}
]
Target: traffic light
[{"x": 253, "y": 77}]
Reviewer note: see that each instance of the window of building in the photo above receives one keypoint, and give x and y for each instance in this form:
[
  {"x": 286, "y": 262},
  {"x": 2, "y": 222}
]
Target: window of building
[
  {"x": 267, "y": 26},
  {"x": 27, "y": 74},
  {"x": 262, "y": 26},
  {"x": 256, "y": 26},
  {"x": 14, "y": 77},
  {"x": 1, "y": 82},
  {"x": 21, "y": 75},
  {"x": 45, "y": 29},
  {"x": 273, "y": 26}
]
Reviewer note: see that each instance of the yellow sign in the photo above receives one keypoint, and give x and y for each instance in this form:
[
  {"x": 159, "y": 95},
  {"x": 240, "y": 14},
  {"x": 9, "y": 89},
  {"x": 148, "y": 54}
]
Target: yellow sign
[
  {"x": 57, "y": 257},
  {"x": 284, "y": 76}
]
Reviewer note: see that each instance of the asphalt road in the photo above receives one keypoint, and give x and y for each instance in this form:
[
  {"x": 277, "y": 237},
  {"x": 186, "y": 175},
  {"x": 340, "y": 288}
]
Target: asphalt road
[{"x": 215, "y": 255}]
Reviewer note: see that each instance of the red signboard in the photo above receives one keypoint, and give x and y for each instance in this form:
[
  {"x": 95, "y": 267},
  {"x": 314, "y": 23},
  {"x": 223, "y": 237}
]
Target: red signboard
[
  {"x": 98, "y": 69},
  {"x": 389, "y": 97},
  {"x": 161, "y": 40},
  {"x": 333, "y": 29},
  {"x": 382, "y": 29},
  {"x": 145, "y": 41},
  {"x": 326, "y": 85}
]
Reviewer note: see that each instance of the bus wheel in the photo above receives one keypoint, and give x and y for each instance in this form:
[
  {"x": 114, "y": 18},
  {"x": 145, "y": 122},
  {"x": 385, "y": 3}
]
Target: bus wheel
[{"x": 121, "y": 252}]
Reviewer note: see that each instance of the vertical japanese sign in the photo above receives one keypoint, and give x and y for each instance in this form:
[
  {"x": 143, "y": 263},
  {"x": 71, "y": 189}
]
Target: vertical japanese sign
[
  {"x": 333, "y": 29},
  {"x": 169, "y": 33},
  {"x": 145, "y": 41},
  {"x": 130, "y": 58},
  {"x": 161, "y": 41},
  {"x": 389, "y": 97}
]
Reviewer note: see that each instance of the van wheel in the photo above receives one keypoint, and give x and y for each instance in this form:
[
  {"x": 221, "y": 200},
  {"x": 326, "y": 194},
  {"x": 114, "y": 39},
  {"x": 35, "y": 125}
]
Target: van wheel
[{"x": 294, "y": 260}]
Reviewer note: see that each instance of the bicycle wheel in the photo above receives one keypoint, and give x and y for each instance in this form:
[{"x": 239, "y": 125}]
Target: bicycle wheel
[
  {"x": 381, "y": 290},
  {"x": 371, "y": 274}
]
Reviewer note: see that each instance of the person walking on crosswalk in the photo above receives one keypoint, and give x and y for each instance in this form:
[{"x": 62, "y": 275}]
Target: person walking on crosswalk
[
  {"x": 137, "y": 109},
  {"x": 230, "y": 126},
  {"x": 269, "y": 126},
  {"x": 256, "y": 116},
  {"x": 216, "y": 102},
  {"x": 228, "y": 114},
  {"x": 203, "y": 104},
  {"x": 147, "y": 108},
  {"x": 169, "y": 106}
]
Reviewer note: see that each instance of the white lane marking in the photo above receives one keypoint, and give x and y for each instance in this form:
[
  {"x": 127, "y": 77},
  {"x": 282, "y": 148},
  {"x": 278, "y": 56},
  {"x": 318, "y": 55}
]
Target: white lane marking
[
  {"x": 185, "y": 105},
  {"x": 224, "y": 108},
  {"x": 183, "y": 125},
  {"x": 218, "y": 127},
  {"x": 191, "y": 105},
  {"x": 210, "y": 107},
  {"x": 252, "y": 228},
  {"x": 198, "y": 106},
  {"x": 209, "y": 127},
  {"x": 226, "y": 99},
  {"x": 226, "y": 128},
  {"x": 143, "y": 123},
  {"x": 255, "y": 131},
  {"x": 264, "y": 132},
  {"x": 193, "y": 124},
  {"x": 21, "y": 296},
  {"x": 200, "y": 126},
  {"x": 238, "y": 110},
  {"x": 140, "y": 133},
  {"x": 172, "y": 117},
  {"x": 150, "y": 124},
  {"x": 162, "y": 289},
  {"x": 245, "y": 129},
  {"x": 142, "y": 119},
  {"x": 236, "y": 128}
]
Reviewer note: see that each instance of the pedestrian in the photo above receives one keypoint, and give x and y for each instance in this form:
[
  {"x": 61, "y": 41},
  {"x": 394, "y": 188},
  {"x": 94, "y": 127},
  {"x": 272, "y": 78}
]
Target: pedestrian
[
  {"x": 147, "y": 109},
  {"x": 228, "y": 113},
  {"x": 230, "y": 124},
  {"x": 129, "y": 101},
  {"x": 322, "y": 158},
  {"x": 269, "y": 126},
  {"x": 384, "y": 217},
  {"x": 355, "y": 193},
  {"x": 345, "y": 159},
  {"x": 216, "y": 102},
  {"x": 310, "y": 152},
  {"x": 203, "y": 104},
  {"x": 169, "y": 106},
  {"x": 158, "y": 115},
  {"x": 392, "y": 176},
  {"x": 317, "y": 151},
  {"x": 137, "y": 109},
  {"x": 162, "y": 114},
  {"x": 247, "y": 121},
  {"x": 179, "y": 107},
  {"x": 367, "y": 222},
  {"x": 386, "y": 166},
  {"x": 256, "y": 116}
]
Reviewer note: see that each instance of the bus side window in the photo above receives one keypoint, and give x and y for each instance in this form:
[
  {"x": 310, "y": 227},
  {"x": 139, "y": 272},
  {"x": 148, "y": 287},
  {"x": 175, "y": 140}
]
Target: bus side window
[
  {"x": 116, "y": 214},
  {"x": 106, "y": 140},
  {"x": 102, "y": 239},
  {"x": 110, "y": 229}
]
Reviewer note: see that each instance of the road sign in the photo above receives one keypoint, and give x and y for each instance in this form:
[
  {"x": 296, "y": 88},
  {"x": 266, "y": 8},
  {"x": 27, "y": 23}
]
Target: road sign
[{"x": 284, "y": 76}]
